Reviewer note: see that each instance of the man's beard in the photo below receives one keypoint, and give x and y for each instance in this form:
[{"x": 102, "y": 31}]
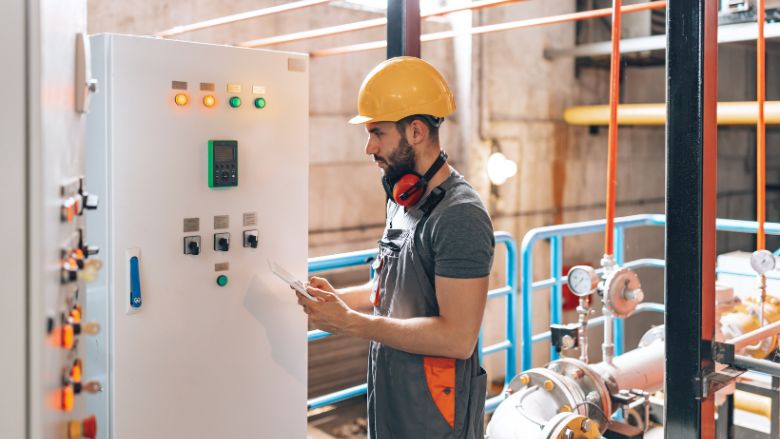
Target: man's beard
[{"x": 400, "y": 162}]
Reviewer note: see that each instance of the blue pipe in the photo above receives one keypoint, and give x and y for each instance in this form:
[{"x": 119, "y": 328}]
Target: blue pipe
[
  {"x": 527, "y": 285},
  {"x": 620, "y": 258},
  {"x": 343, "y": 260},
  {"x": 338, "y": 396},
  {"x": 556, "y": 292}
]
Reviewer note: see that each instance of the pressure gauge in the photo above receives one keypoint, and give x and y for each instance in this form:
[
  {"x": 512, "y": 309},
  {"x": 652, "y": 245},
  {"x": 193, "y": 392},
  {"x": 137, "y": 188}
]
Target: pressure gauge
[
  {"x": 762, "y": 261},
  {"x": 582, "y": 280}
]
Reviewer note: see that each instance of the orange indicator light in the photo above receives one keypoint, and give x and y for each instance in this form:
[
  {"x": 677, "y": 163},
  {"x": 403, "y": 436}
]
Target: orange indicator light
[
  {"x": 67, "y": 398},
  {"x": 75, "y": 371},
  {"x": 209, "y": 101},
  {"x": 66, "y": 336},
  {"x": 181, "y": 99}
]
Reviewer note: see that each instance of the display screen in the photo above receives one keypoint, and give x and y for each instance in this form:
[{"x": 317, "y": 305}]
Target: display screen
[{"x": 223, "y": 153}]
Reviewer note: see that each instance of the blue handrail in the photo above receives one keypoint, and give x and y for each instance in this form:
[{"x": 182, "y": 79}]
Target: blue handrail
[
  {"x": 555, "y": 235},
  {"x": 365, "y": 257}
]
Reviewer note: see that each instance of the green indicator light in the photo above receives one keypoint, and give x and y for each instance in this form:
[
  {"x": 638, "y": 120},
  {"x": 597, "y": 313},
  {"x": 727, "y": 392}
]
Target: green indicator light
[
  {"x": 235, "y": 102},
  {"x": 222, "y": 280},
  {"x": 260, "y": 102}
]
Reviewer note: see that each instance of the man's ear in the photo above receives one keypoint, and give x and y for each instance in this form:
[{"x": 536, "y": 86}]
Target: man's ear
[{"x": 417, "y": 131}]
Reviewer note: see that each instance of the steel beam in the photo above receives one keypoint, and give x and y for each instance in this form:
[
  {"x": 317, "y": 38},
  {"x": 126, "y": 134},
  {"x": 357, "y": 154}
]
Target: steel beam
[
  {"x": 403, "y": 28},
  {"x": 691, "y": 164}
]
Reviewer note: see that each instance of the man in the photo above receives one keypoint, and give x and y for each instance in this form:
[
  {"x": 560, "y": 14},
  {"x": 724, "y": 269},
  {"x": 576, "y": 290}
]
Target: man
[{"x": 431, "y": 282}]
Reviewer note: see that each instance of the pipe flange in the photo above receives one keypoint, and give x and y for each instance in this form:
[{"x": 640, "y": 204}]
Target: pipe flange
[
  {"x": 592, "y": 385},
  {"x": 570, "y": 426}
]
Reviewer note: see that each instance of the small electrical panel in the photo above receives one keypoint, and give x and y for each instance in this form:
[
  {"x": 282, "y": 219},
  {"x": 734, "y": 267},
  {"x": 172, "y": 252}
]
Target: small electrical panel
[{"x": 223, "y": 163}]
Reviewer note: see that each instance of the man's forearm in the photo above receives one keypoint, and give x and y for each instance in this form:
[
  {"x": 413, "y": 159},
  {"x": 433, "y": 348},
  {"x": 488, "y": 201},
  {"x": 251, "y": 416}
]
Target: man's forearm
[
  {"x": 358, "y": 297},
  {"x": 432, "y": 336}
]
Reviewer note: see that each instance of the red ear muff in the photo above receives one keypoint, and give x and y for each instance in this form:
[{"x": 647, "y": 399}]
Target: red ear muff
[{"x": 407, "y": 191}]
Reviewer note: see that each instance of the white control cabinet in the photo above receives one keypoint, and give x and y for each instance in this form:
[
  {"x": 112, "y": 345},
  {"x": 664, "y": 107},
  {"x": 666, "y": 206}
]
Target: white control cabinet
[{"x": 201, "y": 154}]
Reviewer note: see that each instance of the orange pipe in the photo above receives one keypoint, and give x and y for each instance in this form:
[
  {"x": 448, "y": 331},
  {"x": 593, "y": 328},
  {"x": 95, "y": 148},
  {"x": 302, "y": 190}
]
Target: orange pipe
[
  {"x": 367, "y": 24},
  {"x": 614, "y": 99},
  {"x": 491, "y": 28},
  {"x": 286, "y": 7},
  {"x": 761, "y": 128}
]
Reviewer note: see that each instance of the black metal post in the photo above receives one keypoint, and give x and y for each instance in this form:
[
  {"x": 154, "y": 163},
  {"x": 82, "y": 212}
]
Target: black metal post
[
  {"x": 691, "y": 164},
  {"x": 403, "y": 28}
]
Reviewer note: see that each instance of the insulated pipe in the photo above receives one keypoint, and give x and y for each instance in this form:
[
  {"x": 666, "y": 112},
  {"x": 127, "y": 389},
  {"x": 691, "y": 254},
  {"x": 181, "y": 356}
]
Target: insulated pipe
[
  {"x": 750, "y": 402},
  {"x": 755, "y": 336},
  {"x": 367, "y": 24},
  {"x": 729, "y": 113},
  {"x": 491, "y": 28},
  {"x": 286, "y": 7},
  {"x": 642, "y": 368}
]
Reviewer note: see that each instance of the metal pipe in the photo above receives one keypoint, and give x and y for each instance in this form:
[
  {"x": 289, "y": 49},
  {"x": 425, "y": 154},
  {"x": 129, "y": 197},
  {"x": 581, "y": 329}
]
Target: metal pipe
[
  {"x": 729, "y": 113},
  {"x": 750, "y": 402},
  {"x": 263, "y": 12},
  {"x": 761, "y": 135},
  {"x": 366, "y": 24},
  {"x": 641, "y": 368},
  {"x": 755, "y": 336},
  {"x": 491, "y": 28},
  {"x": 756, "y": 365},
  {"x": 614, "y": 98},
  {"x": 556, "y": 292}
]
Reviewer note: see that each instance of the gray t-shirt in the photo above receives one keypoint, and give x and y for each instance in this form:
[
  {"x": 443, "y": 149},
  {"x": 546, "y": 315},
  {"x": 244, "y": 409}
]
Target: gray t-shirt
[{"x": 456, "y": 239}]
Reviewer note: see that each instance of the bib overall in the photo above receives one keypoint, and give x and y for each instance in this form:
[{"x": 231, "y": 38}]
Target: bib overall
[{"x": 409, "y": 395}]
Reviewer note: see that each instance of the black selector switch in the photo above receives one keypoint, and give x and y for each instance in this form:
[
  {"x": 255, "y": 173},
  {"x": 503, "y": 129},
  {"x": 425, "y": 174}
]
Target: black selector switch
[
  {"x": 192, "y": 245},
  {"x": 222, "y": 242},
  {"x": 251, "y": 238}
]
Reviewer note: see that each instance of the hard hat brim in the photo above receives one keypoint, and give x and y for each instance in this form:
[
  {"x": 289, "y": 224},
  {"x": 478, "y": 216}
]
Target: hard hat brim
[{"x": 357, "y": 120}]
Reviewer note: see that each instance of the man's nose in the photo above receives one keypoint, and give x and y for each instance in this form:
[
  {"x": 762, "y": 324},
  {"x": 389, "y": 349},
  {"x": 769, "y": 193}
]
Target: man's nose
[{"x": 371, "y": 146}]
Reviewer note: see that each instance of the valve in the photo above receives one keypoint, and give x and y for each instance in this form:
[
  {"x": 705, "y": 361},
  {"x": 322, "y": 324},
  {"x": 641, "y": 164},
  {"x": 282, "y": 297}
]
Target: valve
[{"x": 565, "y": 337}]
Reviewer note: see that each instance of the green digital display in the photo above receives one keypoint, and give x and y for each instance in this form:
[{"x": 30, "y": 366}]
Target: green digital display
[{"x": 223, "y": 163}]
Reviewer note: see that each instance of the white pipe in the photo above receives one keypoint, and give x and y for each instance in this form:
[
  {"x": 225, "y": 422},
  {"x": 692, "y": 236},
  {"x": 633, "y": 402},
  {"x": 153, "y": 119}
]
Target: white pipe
[
  {"x": 642, "y": 368},
  {"x": 608, "y": 347},
  {"x": 755, "y": 336}
]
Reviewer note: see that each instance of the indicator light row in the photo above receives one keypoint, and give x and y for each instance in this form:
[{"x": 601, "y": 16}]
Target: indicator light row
[{"x": 182, "y": 99}]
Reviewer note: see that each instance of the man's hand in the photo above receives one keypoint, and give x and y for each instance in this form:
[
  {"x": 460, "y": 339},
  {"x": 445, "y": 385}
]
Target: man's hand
[
  {"x": 322, "y": 283},
  {"x": 329, "y": 313}
]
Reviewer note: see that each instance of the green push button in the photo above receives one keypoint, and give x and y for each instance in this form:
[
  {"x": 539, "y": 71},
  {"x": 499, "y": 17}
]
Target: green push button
[
  {"x": 260, "y": 102},
  {"x": 222, "y": 280},
  {"x": 235, "y": 102}
]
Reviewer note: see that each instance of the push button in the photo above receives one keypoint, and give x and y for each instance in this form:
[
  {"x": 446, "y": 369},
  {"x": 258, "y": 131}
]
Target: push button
[{"x": 222, "y": 280}]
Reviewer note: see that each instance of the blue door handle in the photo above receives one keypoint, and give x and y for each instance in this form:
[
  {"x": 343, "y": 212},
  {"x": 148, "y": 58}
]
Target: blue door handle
[{"x": 135, "y": 284}]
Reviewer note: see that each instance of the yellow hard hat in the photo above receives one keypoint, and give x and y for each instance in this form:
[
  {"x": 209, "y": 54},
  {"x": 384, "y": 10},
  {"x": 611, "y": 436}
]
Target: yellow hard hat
[{"x": 401, "y": 87}]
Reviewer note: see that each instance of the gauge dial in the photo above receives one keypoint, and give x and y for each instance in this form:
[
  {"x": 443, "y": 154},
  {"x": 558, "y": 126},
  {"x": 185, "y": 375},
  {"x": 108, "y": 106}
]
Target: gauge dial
[
  {"x": 762, "y": 261},
  {"x": 582, "y": 280}
]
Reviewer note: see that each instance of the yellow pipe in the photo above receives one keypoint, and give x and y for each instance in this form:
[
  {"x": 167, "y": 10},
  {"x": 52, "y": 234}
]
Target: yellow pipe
[
  {"x": 729, "y": 113},
  {"x": 750, "y": 402}
]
